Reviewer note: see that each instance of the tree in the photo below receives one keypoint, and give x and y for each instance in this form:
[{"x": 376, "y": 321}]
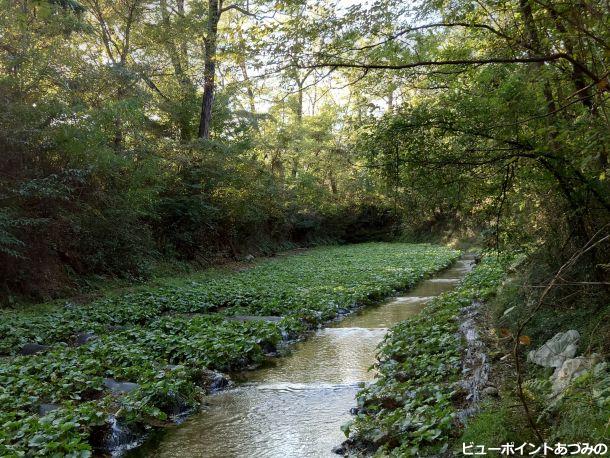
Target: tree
[
  {"x": 480, "y": 53},
  {"x": 214, "y": 14}
]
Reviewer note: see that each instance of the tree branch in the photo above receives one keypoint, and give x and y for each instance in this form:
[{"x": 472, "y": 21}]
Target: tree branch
[
  {"x": 238, "y": 8},
  {"x": 430, "y": 26},
  {"x": 432, "y": 63}
]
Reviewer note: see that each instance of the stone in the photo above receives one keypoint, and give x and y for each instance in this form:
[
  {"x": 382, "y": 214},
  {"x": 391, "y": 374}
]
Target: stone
[
  {"x": 557, "y": 350},
  {"x": 338, "y": 450},
  {"x": 84, "y": 337},
  {"x": 571, "y": 369},
  {"x": 268, "y": 348},
  {"x": 119, "y": 387},
  {"x": 44, "y": 409},
  {"x": 115, "y": 436},
  {"x": 213, "y": 381},
  {"x": 491, "y": 391},
  {"x": 32, "y": 349},
  {"x": 249, "y": 258}
]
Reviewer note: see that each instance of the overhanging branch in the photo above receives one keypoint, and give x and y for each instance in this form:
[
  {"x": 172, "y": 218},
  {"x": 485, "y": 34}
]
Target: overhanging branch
[
  {"x": 238, "y": 8},
  {"x": 434, "y": 63}
]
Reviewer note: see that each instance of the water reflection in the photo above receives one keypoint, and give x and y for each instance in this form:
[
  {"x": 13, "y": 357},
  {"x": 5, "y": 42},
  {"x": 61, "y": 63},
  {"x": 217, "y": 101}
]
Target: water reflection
[
  {"x": 266, "y": 421},
  {"x": 295, "y": 407},
  {"x": 332, "y": 355}
]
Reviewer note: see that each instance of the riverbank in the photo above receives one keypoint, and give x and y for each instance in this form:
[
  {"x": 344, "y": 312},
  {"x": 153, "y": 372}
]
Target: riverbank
[
  {"x": 295, "y": 405},
  {"x": 139, "y": 359},
  {"x": 566, "y": 391},
  {"x": 447, "y": 377},
  {"x": 412, "y": 407}
]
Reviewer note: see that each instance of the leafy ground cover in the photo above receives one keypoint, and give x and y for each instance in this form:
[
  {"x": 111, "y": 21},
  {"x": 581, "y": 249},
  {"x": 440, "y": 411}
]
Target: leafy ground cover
[
  {"x": 410, "y": 410},
  {"x": 162, "y": 341},
  {"x": 319, "y": 284}
]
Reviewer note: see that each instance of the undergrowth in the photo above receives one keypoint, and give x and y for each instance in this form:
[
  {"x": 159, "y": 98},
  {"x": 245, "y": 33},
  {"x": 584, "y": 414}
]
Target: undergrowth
[{"x": 581, "y": 413}]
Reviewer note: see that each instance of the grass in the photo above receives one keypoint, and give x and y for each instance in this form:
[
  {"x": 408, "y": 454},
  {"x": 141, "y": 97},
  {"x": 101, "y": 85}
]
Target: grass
[
  {"x": 498, "y": 422},
  {"x": 581, "y": 414}
]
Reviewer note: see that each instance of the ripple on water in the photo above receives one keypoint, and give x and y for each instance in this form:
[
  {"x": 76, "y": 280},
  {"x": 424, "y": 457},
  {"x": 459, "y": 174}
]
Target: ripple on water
[
  {"x": 295, "y": 407},
  {"x": 332, "y": 355},
  {"x": 267, "y": 421},
  {"x": 386, "y": 314}
]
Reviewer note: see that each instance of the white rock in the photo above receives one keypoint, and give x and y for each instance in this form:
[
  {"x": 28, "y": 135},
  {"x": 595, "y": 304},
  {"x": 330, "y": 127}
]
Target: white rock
[
  {"x": 557, "y": 350},
  {"x": 571, "y": 369}
]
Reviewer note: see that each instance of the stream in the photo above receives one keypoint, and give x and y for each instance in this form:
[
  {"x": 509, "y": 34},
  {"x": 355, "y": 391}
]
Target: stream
[{"x": 295, "y": 407}]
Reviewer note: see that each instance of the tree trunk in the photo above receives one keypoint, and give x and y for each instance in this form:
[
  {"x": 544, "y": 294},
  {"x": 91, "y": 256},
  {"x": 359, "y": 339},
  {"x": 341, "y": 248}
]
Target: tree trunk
[
  {"x": 578, "y": 76},
  {"x": 248, "y": 83},
  {"x": 177, "y": 57},
  {"x": 117, "y": 141},
  {"x": 209, "y": 69},
  {"x": 534, "y": 43},
  {"x": 332, "y": 182},
  {"x": 299, "y": 113},
  {"x": 244, "y": 72}
]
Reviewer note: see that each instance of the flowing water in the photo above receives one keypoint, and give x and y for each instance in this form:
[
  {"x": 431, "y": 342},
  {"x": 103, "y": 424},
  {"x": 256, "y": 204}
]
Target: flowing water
[{"x": 295, "y": 408}]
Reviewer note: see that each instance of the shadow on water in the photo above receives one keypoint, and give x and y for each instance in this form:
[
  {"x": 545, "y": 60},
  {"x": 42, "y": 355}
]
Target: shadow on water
[{"x": 295, "y": 407}]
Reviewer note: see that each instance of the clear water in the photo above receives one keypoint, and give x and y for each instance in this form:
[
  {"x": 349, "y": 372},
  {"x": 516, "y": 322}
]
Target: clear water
[{"x": 295, "y": 408}]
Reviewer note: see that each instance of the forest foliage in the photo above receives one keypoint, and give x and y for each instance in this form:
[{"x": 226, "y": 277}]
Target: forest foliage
[{"x": 139, "y": 131}]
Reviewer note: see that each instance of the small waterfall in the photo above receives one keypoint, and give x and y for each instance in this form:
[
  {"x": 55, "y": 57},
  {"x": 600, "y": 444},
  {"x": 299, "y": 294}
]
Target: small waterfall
[
  {"x": 119, "y": 437},
  {"x": 476, "y": 366}
]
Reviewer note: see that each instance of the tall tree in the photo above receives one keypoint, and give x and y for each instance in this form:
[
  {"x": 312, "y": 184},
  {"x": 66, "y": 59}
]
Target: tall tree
[{"x": 215, "y": 11}]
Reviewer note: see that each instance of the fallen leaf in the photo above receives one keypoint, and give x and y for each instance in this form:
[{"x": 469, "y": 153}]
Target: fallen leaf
[
  {"x": 505, "y": 332},
  {"x": 525, "y": 340}
]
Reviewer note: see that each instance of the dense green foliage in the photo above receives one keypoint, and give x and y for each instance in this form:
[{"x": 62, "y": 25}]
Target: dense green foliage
[
  {"x": 327, "y": 121},
  {"x": 498, "y": 116},
  {"x": 580, "y": 414},
  {"x": 410, "y": 410},
  {"x": 317, "y": 284},
  {"x": 166, "y": 338},
  {"x": 102, "y": 173},
  {"x": 138, "y": 134}
]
